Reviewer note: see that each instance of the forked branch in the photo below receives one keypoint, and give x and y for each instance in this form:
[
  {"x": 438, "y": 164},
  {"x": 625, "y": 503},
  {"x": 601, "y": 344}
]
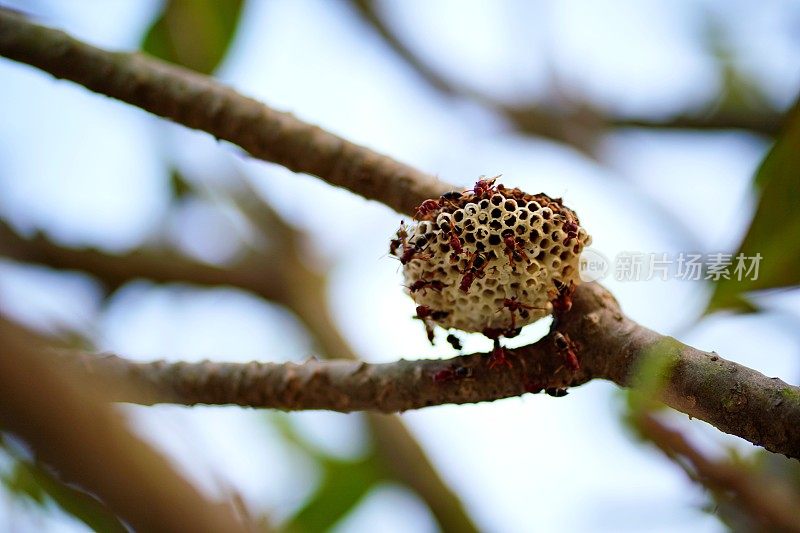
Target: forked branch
[
  {"x": 736, "y": 399},
  {"x": 201, "y": 103}
]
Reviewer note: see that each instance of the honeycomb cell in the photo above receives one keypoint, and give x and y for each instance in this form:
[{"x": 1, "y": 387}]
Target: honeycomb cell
[{"x": 473, "y": 279}]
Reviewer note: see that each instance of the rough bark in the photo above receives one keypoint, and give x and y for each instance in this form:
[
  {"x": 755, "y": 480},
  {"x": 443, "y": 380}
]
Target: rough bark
[
  {"x": 70, "y": 425},
  {"x": 199, "y": 102},
  {"x": 734, "y": 398}
]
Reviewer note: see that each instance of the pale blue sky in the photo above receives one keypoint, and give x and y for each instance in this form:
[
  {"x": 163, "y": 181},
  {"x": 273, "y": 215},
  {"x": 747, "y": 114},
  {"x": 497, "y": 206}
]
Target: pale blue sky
[{"x": 90, "y": 171}]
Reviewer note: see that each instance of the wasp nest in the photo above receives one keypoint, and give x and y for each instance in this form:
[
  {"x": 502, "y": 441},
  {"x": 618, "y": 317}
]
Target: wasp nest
[{"x": 491, "y": 259}]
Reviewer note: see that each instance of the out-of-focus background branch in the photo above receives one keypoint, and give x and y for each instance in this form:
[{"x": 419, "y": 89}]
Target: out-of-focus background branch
[
  {"x": 277, "y": 273},
  {"x": 71, "y": 426},
  {"x": 314, "y": 260},
  {"x": 272, "y": 267},
  {"x": 570, "y": 118}
]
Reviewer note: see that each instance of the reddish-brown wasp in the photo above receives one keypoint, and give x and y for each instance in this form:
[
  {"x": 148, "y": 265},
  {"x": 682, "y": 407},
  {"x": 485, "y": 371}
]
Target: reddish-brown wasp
[
  {"x": 484, "y": 188},
  {"x": 513, "y": 248},
  {"x": 566, "y": 348},
  {"x": 562, "y": 299},
  {"x": 425, "y": 284},
  {"x": 475, "y": 269},
  {"x": 425, "y": 208},
  {"x": 409, "y": 252},
  {"x": 498, "y": 356},
  {"x": 514, "y": 306},
  {"x": 426, "y": 315},
  {"x": 401, "y": 240},
  {"x": 455, "y": 244},
  {"x": 571, "y": 229},
  {"x": 425, "y": 312}
]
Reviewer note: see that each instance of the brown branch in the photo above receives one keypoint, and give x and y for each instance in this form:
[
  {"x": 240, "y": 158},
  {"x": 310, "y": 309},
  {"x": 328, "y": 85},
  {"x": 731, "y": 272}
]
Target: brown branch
[
  {"x": 367, "y": 11},
  {"x": 395, "y": 445},
  {"x": 768, "y": 500},
  {"x": 736, "y": 399},
  {"x": 765, "y": 121},
  {"x": 278, "y": 274},
  {"x": 577, "y": 123},
  {"x": 157, "y": 264},
  {"x": 69, "y": 425},
  {"x": 201, "y": 103}
]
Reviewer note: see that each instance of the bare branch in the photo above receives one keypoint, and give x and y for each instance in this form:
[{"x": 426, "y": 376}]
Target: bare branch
[
  {"x": 765, "y": 122},
  {"x": 307, "y": 296},
  {"x": 766, "y": 499},
  {"x": 278, "y": 274},
  {"x": 201, "y": 103},
  {"x": 157, "y": 264},
  {"x": 732, "y": 397},
  {"x": 736, "y": 399},
  {"x": 68, "y": 425},
  {"x": 577, "y": 123}
]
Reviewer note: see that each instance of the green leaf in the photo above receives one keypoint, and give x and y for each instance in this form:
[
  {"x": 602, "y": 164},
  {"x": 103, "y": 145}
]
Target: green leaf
[
  {"x": 194, "y": 33},
  {"x": 775, "y": 230},
  {"x": 21, "y": 482},
  {"x": 30, "y": 480},
  {"x": 651, "y": 374},
  {"x": 181, "y": 188},
  {"x": 344, "y": 484}
]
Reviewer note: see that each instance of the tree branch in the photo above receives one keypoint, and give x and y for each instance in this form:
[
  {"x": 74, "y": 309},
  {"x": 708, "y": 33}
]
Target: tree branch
[
  {"x": 734, "y": 398},
  {"x": 199, "y": 102},
  {"x": 765, "y": 122},
  {"x": 157, "y": 264},
  {"x": 768, "y": 500},
  {"x": 577, "y": 123},
  {"x": 307, "y": 297},
  {"x": 69, "y": 425},
  {"x": 278, "y": 274}
]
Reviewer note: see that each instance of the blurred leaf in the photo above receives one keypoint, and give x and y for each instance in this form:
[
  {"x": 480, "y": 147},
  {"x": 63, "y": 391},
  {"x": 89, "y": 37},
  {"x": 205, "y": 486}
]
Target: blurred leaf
[
  {"x": 194, "y": 33},
  {"x": 344, "y": 484},
  {"x": 30, "y": 480},
  {"x": 740, "y": 91},
  {"x": 775, "y": 230},
  {"x": 179, "y": 185},
  {"x": 779, "y": 468},
  {"x": 21, "y": 482},
  {"x": 651, "y": 375}
]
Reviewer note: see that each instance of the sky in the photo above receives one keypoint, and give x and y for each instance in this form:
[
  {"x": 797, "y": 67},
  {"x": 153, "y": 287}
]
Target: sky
[{"x": 90, "y": 171}]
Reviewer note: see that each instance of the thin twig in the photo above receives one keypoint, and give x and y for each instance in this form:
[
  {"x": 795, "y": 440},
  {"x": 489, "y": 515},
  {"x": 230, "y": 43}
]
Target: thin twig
[
  {"x": 769, "y": 501},
  {"x": 199, "y": 102},
  {"x": 734, "y": 398},
  {"x": 580, "y": 123},
  {"x": 69, "y": 425},
  {"x": 306, "y": 295}
]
